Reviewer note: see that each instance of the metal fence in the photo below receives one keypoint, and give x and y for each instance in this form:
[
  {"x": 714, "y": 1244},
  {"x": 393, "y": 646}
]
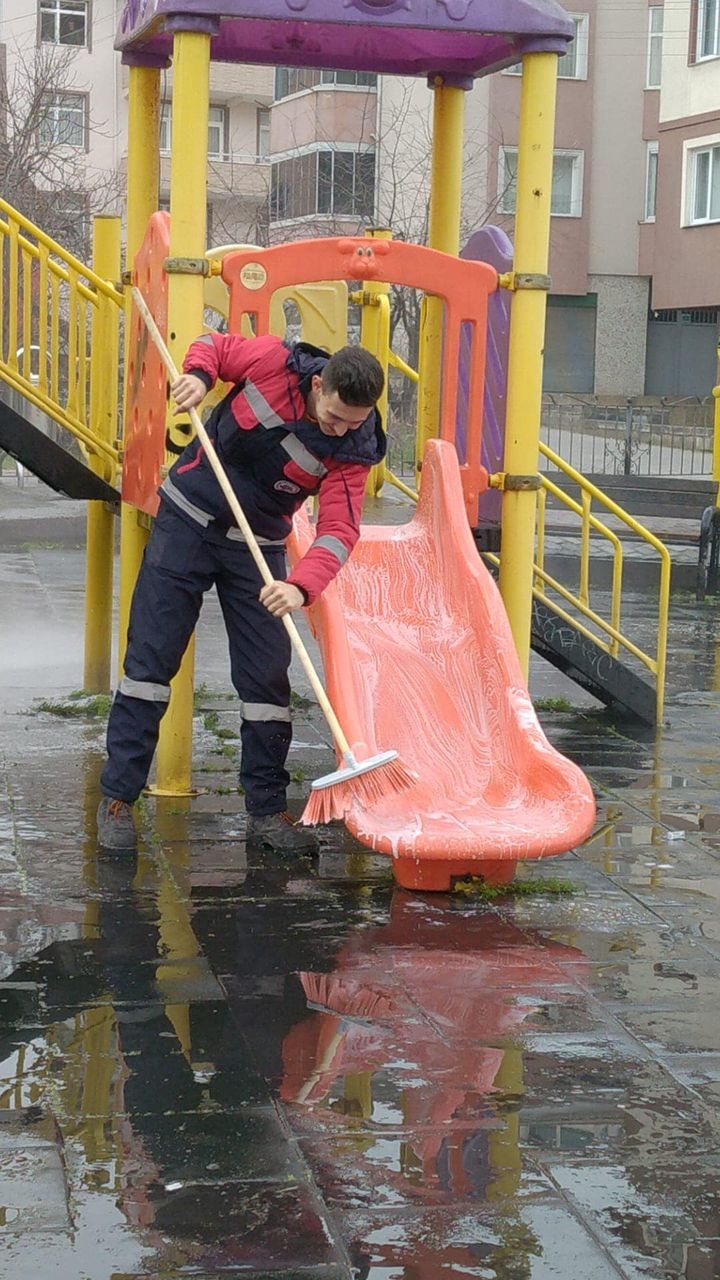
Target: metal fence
[
  {"x": 631, "y": 439},
  {"x": 608, "y": 439}
]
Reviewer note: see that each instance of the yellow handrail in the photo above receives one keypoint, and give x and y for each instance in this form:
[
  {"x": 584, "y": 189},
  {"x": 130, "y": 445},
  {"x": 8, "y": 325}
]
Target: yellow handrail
[
  {"x": 589, "y": 493},
  {"x": 50, "y": 300}
]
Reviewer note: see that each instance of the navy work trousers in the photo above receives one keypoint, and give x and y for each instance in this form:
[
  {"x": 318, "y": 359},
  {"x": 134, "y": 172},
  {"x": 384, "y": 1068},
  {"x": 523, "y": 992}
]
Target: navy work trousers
[{"x": 179, "y": 566}]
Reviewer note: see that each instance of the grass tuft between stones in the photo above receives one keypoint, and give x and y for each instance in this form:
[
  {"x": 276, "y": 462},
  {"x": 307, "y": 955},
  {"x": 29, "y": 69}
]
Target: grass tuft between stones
[{"x": 548, "y": 886}]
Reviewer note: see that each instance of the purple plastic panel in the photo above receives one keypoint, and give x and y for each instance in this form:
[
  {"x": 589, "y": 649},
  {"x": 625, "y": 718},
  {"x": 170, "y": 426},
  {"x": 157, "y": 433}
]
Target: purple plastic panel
[
  {"x": 401, "y": 37},
  {"x": 489, "y": 245}
]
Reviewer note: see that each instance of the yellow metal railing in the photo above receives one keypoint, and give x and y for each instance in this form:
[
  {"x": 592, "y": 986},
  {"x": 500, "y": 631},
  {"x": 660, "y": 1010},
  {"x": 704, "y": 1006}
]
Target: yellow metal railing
[
  {"x": 50, "y": 306},
  {"x": 611, "y": 638}
]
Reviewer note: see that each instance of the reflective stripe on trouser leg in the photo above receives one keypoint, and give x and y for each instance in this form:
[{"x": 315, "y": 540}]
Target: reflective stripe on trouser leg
[
  {"x": 259, "y": 660},
  {"x": 178, "y": 567}
]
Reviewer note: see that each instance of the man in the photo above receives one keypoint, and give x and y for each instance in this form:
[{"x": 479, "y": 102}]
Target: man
[{"x": 296, "y": 422}]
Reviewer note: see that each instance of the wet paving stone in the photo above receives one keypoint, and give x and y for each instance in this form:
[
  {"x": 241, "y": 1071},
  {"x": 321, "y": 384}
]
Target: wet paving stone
[
  {"x": 267, "y": 1068},
  {"x": 517, "y": 1241}
]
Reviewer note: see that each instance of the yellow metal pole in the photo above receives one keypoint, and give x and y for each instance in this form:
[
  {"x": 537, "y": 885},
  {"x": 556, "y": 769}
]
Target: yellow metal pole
[
  {"x": 143, "y": 176},
  {"x": 188, "y": 184},
  {"x": 504, "y": 1155},
  {"x": 105, "y": 350},
  {"x": 444, "y": 234},
  {"x": 375, "y": 337},
  {"x": 527, "y": 337}
]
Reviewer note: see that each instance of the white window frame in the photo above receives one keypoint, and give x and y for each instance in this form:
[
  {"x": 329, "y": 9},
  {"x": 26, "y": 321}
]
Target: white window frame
[
  {"x": 651, "y": 176},
  {"x": 581, "y": 42},
  {"x": 262, "y": 130},
  {"x": 77, "y": 104},
  {"x": 323, "y": 147},
  {"x": 656, "y": 29},
  {"x": 55, "y": 9},
  {"x": 693, "y": 149},
  {"x": 701, "y": 14},
  {"x": 217, "y": 120},
  {"x": 165, "y": 143},
  {"x": 578, "y": 181}
]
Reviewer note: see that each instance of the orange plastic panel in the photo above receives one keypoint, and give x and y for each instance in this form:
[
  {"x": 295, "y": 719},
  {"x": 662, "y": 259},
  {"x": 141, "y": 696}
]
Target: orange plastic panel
[
  {"x": 253, "y": 276},
  {"x": 147, "y": 380},
  {"x": 419, "y": 656}
]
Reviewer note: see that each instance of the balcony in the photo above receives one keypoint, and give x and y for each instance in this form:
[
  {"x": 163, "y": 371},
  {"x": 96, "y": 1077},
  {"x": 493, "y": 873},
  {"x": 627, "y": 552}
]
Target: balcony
[{"x": 229, "y": 82}]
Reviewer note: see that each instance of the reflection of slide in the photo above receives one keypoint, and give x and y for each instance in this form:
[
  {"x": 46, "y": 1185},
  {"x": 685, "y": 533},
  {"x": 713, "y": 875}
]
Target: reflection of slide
[
  {"x": 419, "y": 1029},
  {"x": 419, "y": 656}
]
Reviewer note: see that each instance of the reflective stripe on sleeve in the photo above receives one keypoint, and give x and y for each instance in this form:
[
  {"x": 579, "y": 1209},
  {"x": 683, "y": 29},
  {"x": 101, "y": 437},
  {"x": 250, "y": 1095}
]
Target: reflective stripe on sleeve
[
  {"x": 263, "y": 711},
  {"x": 205, "y": 337},
  {"x": 303, "y": 457},
  {"x": 265, "y": 414},
  {"x": 333, "y": 545},
  {"x": 196, "y": 513},
  {"x": 144, "y": 689}
]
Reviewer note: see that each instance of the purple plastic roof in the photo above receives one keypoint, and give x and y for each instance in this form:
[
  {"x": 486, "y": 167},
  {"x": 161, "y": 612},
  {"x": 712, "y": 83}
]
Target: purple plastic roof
[{"x": 457, "y": 38}]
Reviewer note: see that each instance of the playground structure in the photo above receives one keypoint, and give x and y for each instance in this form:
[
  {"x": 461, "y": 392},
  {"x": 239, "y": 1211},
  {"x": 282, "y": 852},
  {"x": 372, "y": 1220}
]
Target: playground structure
[{"x": 168, "y": 257}]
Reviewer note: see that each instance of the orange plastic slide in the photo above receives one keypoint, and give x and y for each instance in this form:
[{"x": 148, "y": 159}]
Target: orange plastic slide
[{"x": 419, "y": 656}]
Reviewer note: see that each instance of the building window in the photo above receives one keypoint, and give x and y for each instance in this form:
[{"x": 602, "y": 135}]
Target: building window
[
  {"x": 359, "y": 79},
  {"x": 64, "y": 22},
  {"x": 567, "y": 182},
  {"x": 217, "y": 132},
  {"x": 651, "y": 173},
  {"x": 289, "y": 80},
  {"x": 335, "y": 183},
  {"x": 708, "y": 29},
  {"x": 263, "y": 133},
  {"x": 346, "y": 183},
  {"x": 573, "y": 65},
  {"x": 64, "y": 121},
  {"x": 655, "y": 46},
  {"x": 705, "y": 185}
]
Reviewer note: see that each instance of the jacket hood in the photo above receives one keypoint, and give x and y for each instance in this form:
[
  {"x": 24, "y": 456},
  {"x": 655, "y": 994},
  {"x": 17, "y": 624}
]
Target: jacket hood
[{"x": 366, "y": 445}]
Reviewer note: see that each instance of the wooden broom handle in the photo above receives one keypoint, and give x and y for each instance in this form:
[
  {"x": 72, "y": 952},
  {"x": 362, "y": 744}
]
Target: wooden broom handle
[{"x": 247, "y": 532}]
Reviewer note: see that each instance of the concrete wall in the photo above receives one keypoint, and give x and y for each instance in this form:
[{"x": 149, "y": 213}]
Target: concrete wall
[{"x": 621, "y": 334}]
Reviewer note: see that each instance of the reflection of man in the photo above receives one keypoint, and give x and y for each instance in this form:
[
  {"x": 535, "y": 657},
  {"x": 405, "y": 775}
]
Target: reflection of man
[{"x": 431, "y": 998}]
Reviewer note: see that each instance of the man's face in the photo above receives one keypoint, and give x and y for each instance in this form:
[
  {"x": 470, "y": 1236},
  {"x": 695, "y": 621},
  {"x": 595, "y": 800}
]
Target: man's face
[{"x": 334, "y": 417}]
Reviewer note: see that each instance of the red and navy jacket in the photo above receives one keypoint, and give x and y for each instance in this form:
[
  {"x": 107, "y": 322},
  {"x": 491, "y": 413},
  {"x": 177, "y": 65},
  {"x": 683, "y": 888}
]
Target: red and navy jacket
[{"x": 274, "y": 456}]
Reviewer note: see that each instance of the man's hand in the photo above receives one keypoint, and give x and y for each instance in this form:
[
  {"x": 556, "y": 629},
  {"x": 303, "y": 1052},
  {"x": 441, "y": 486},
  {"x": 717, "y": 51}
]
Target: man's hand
[
  {"x": 188, "y": 392},
  {"x": 280, "y": 598}
]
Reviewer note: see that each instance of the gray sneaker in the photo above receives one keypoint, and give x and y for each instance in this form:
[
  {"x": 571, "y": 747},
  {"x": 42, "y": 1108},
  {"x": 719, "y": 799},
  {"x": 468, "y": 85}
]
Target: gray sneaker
[
  {"x": 281, "y": 833},
  {"x": 115, "y": 825}
]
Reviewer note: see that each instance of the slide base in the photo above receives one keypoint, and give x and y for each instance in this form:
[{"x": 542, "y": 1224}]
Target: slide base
[{"x": 435, "y": 875}]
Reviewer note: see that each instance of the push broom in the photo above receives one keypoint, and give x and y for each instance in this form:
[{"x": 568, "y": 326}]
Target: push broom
[{"x": 358, "y": 781}]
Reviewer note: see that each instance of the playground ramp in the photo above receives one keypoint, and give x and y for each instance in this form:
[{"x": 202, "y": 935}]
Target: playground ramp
[{"x": 419, "y": 656}]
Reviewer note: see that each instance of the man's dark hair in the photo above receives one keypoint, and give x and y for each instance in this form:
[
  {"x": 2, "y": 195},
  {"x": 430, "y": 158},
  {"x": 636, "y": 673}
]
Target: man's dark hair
[{"x": 355, "y": 375}]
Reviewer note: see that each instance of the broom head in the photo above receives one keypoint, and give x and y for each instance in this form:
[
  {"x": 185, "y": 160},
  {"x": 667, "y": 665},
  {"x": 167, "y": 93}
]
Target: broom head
[{"x": 364, "y": 783}]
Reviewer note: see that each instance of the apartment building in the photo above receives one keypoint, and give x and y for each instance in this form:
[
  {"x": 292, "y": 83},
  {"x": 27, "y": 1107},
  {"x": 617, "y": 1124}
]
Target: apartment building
[
  {"x": 680, "y": 240},
  {"x": 638, "y": 100},
  {"x": 292, "y": 152},
  {"x": 83, "y": 121}
]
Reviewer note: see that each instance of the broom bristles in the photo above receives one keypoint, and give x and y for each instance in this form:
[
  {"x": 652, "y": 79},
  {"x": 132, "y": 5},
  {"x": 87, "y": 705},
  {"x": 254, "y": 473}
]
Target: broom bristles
[{"x": 328, "y": 803}]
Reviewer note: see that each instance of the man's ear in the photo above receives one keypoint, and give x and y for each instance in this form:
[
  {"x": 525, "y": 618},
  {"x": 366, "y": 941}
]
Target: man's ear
[{"x": 316, "y": 382}]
